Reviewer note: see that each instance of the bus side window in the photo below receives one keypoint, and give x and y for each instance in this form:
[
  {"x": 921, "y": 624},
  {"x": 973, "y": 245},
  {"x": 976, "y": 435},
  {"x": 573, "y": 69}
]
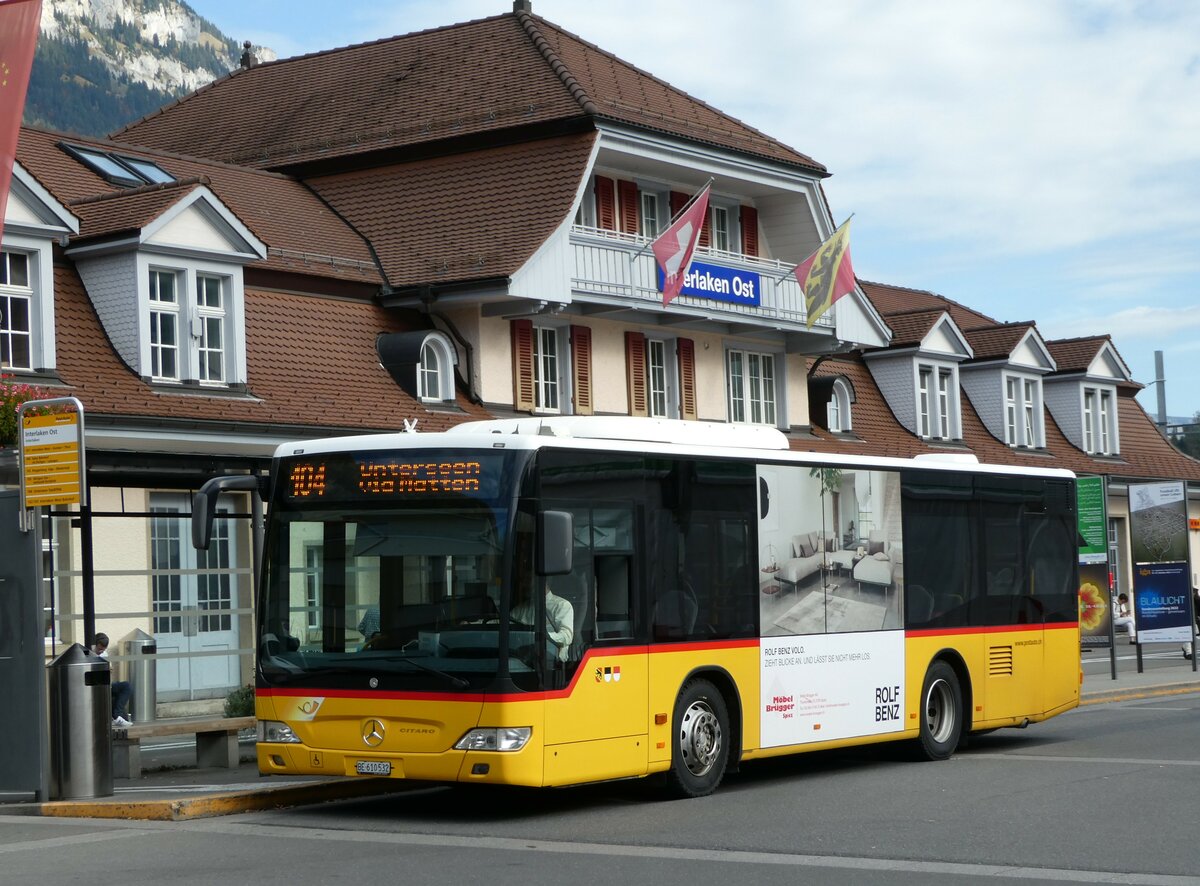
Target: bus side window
[{"x": 614, "y": 609}]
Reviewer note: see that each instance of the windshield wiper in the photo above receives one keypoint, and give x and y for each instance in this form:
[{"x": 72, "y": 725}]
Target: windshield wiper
[{"x": 456, "y": 682}]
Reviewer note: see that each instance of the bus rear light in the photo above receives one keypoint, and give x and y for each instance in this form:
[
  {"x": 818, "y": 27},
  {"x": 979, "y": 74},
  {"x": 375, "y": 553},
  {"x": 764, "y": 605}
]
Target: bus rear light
[
  {"x": 505, "y": 738},
  {"x": 274, "y": 731}
]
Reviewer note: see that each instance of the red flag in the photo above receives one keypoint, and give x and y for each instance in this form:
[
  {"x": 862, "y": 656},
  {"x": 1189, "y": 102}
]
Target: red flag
[
  {"x": 19, "y": 22},
  {"x": 826, "y": 275},
  {"x": 673, "y": 248}
]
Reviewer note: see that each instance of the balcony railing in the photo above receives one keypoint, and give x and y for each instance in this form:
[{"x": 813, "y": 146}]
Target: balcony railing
[{"x": 619, "y": 268}]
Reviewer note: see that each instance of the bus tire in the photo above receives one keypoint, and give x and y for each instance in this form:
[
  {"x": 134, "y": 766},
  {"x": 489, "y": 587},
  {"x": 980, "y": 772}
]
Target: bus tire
[
  {"x": 941, "y": 713},
  {"x": 700, "y": 740}
]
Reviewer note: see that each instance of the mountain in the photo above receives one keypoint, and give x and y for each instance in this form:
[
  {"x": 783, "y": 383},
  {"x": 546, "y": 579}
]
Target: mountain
[{"x": 103, "y": 63}]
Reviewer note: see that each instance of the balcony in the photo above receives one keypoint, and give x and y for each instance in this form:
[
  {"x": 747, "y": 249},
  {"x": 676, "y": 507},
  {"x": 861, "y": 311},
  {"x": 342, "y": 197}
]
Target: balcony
[{"x": 615, "y": 271}]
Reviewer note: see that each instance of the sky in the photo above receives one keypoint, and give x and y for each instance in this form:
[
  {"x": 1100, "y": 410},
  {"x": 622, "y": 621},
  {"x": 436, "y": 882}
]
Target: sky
[{"x": 1031, "y": 159}]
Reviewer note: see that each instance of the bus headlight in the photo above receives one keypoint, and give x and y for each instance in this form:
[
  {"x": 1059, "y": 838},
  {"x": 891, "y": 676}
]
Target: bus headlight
[
  {"x": 505, "y": 738},
  {"x": 274, "y": 731}
]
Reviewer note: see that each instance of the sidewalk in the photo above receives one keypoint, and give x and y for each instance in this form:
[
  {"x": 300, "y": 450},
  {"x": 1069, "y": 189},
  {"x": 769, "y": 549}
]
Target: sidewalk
[{"x": 177, "y": 794}]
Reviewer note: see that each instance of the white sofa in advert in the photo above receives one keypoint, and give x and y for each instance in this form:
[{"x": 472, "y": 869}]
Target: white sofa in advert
[{"x": 808, "y": 552}]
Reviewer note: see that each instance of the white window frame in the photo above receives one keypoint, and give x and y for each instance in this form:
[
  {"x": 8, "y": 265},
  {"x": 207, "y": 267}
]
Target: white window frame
[
  {"x": 38, "y": 252},
  {"x": 1024, "y": 427},
  {"x": 210, "y": 319},
  {"x": 16, "y": 293},
  {"x": 197, "y": 324},
  {"x": 650, "y": 200},
  {"x": 435, "y": 370},
  {"x": 937, "y": 404},
  {"x": 551, "y": 371},
  {"x": 165, "y": 314},
  {"x": 723, "y": 209},
  {"x": 753, "y": 398},
  {"x": 837, "y": 411},
  {"x": 1101, "y": 434},
  {"x": 662, "y": 378}
]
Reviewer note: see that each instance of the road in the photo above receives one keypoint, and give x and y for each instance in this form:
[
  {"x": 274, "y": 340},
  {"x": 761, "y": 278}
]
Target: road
[{"x": 1106, "y": 793}]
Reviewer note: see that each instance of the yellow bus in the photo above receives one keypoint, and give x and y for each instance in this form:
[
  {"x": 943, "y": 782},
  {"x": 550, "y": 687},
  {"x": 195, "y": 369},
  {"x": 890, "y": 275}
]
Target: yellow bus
[{"x": 555, "y": 601}]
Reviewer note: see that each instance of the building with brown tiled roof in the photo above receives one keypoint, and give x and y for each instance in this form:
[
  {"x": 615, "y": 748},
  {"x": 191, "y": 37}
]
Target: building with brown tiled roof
[{"x": 456, "y": 223}]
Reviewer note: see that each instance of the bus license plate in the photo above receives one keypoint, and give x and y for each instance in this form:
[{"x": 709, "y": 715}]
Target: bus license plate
[{"x": 373, "y": 767}]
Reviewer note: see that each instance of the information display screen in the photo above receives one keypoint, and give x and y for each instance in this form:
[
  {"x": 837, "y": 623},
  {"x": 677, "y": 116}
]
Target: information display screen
[{"x": 393, "y": 476}]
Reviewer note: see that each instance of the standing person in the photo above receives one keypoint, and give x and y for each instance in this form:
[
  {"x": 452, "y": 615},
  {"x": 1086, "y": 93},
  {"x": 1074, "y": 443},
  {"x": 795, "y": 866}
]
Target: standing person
[
  {"x": 1124, "y": 617},
  {"x": 1189, "y": 648},
  {"x": 122, "y": 690}
]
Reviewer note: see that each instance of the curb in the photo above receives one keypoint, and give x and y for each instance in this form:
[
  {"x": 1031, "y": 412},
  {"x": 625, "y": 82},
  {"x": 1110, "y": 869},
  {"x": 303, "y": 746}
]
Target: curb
[
  {"x": 228, "y": 803},
  {"x": 1100, "y": 696}
]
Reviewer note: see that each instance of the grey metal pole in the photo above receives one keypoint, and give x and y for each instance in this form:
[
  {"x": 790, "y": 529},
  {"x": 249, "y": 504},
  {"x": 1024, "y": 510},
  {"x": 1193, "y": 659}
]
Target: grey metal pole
[{"x": 1162, "y": 388}]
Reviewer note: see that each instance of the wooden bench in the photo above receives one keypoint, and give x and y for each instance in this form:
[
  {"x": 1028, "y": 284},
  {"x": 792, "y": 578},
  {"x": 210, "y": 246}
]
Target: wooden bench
[{"x": 216, "y": 741}]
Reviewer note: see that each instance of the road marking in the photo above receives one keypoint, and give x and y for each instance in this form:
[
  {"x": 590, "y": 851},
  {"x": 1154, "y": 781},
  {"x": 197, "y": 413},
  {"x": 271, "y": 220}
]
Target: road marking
[
  {"x": 1048, "y": 758},
  {"x": 73, "y": 840},
  {"x": 505, "y": 844}
]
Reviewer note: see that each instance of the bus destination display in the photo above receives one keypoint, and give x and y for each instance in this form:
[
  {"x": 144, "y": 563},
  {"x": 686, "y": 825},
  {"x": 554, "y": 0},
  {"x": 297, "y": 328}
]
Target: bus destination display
[{"x": 371, "y": 476}]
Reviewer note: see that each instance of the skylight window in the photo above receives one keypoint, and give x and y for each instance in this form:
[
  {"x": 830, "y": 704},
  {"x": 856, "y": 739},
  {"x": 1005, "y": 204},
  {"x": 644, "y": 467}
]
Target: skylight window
[{"x": 118, "y": 168}]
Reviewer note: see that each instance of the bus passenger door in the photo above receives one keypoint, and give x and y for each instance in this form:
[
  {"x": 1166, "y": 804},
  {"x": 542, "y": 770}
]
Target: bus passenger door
[{"x": 596, "y": 703}]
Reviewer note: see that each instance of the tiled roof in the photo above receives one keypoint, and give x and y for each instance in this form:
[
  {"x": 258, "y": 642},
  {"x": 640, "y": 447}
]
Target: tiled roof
[
  {"x": 466, "y": 216},
  {"x": 280, "y": 211},
  {"x": 476, "y": 78},
  {"x": 910, "y": 327},
  {"x": 1076, "y": 354},
  {"x": 311, "y": 363},
  {"x": 994, "y": 342},
  {"x": 1145, "y": 452},
  {"x": 889, "y": 299}
]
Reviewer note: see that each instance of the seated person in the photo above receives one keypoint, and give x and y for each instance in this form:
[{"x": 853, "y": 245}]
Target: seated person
[
  {"x": 1124, "y": 617},
  {"x": 560, "y": 618},
  {"x": 122, "y": 690}
]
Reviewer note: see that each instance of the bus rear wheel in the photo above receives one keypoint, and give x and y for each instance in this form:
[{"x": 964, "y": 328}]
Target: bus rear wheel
[
  {"x": 941, "y": 713},
  {"x": 700, "y": 742}
]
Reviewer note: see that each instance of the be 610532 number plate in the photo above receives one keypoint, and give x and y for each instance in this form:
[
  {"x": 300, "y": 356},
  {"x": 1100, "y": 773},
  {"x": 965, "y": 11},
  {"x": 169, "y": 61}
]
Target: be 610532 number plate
[{"x": 373, "y": 767}]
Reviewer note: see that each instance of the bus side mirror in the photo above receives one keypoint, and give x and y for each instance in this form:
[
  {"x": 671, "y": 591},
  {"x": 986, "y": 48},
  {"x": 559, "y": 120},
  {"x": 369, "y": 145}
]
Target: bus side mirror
[
  {"x": 556, "y": 542},
  {"x": 204, "y": 504}
]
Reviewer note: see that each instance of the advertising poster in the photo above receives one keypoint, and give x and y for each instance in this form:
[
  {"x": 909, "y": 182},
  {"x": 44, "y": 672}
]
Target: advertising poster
[
  {"x": 1093, "y": 520},
  {"x": 823, "y": 687},
  {"x": 1162, "y": 605},
  {"x": 1095, "y": 606},
  {"x": 1158, "y": 524}
]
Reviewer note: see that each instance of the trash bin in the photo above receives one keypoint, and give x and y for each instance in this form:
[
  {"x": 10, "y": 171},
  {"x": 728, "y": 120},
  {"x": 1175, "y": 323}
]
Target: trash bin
[
  {"x": 141, "y": 670},
  {"x": 80, "y": 725}
]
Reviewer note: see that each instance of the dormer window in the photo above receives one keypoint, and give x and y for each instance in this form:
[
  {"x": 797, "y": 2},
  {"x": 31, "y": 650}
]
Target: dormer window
[
  {"x": 435, "y": 375},
  {"x": 1099, "y": 421},
  {"x": 1022, "y": 412},
  {"x": 187, "y": 323},
  {"x": 16, "y": 300},
  {"x": 837, "y": 410},
  {"x": 937, "y": 401}
]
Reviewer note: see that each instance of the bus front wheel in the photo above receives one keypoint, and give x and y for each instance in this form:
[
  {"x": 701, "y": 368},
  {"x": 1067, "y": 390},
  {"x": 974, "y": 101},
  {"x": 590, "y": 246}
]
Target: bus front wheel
[
  {"x": 700, "y": 743},
  {"x": 941, "y": 713}
]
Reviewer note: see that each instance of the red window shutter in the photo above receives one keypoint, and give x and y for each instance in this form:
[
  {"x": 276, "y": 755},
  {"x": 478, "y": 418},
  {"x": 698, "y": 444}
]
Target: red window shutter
[
  {"x": 706, "y": 229},
  {"x": 749, "y": 230},
  {"x": 635, "y": 373},
  {"x": 522, "y": 348},
  {"x": 678, "y": 201},
  {"x": 686, "y": 349},
  {"x": 606, "y": 208},
  {"x": 581, "y": 368},
  {"x": 630, "y": 210}
]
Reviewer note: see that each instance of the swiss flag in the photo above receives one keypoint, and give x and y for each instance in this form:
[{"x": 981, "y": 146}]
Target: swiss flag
[
  {"x": 674, "y": 247},
  {"x": 19, "y": 21}
]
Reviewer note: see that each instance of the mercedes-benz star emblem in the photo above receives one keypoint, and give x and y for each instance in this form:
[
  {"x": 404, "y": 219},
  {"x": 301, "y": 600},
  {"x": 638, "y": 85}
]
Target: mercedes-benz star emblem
[{"x": 372, "y": 733}]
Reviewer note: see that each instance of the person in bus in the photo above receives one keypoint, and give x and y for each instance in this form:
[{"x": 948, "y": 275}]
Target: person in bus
[
  {"x": 1124, "y": 617},
  {"x": 122, "y": 690},
  {"x": 560, "y": 616}
]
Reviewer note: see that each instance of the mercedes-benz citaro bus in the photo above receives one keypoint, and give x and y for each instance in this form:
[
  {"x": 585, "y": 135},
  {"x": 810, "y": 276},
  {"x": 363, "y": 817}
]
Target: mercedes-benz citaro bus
[{"x": 564, "y": 600}]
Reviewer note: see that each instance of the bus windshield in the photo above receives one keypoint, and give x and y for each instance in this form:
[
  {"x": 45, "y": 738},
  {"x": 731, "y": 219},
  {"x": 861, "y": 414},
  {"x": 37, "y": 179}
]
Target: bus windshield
[{"x": 390, "y": 567}]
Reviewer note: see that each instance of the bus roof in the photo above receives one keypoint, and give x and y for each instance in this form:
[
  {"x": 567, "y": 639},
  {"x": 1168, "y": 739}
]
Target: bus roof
[{"x": 630, "y": 434}]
